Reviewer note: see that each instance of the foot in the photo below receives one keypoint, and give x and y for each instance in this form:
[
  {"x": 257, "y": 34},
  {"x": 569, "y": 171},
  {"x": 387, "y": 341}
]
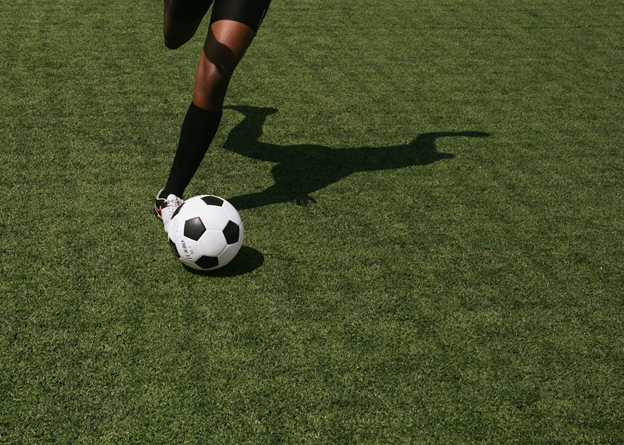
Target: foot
[{"x": 165, "y": 207}]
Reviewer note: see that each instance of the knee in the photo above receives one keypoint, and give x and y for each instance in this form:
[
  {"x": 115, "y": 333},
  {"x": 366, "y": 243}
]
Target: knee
[
  {"x": 172, "y": 42},
  {"x": 211, "y": 86},
  {"x": 213, "y": 76},
  {"x": 172, "y": 45},
  {"x": 176, "y": 34},
  {"x": 175, "y": 37}
]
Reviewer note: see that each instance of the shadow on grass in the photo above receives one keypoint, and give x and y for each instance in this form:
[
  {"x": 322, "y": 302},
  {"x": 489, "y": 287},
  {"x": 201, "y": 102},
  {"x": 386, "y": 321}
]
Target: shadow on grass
[
  {"x": 247, "y": 260},
  {"x": 304, "y": 169}
]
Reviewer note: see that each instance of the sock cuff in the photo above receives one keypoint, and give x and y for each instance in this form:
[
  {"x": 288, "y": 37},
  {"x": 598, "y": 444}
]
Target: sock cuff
[
  {"x": 204, "y": 113},
  {"x": 200, "y": 125}
]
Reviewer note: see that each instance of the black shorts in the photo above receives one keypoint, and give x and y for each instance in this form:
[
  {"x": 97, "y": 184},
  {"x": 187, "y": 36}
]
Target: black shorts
[{"x": 248, "y": 12}]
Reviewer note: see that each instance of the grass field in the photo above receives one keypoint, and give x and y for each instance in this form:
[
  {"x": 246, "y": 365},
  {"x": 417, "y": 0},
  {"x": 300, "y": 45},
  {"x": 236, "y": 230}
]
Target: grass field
[{"x": 433, "y": 201}]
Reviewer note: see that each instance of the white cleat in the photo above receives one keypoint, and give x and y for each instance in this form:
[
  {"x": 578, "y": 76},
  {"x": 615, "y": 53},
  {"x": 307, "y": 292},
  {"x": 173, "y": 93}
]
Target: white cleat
[{"x": 164, "y": 208}]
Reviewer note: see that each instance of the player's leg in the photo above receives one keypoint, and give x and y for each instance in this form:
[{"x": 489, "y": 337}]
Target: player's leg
[
  {"x": 225, "y": 45},
  {"x": 181, "y": 18},
  {"x": 234, "y": 24}
]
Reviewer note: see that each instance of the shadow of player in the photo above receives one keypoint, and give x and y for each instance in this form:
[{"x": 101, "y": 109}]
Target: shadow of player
[{"x": 304, "y": 169}]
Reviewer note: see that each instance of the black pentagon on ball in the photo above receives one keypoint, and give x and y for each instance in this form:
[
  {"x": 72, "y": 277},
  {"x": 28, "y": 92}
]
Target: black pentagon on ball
[
  {"x": 231, "y": 232},
  {"x": 207, "y": 262},
  {"x": 194, "y": 228},
  {"x": 213, "y": 201},
  {"x": 174, "y": 248}
]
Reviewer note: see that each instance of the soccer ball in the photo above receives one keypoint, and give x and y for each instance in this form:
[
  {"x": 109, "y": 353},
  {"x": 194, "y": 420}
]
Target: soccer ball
[{"x": 206, "y": 232}]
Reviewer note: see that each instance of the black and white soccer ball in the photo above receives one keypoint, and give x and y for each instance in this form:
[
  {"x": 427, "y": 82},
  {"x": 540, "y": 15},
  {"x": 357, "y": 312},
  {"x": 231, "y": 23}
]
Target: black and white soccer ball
[{"x": 206, "y": 232}]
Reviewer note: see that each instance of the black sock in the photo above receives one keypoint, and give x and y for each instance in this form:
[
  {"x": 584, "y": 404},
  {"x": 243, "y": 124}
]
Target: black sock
[{"x": 198, "y": 130}]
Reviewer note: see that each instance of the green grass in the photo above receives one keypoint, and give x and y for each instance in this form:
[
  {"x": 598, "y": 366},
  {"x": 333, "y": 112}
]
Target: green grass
[{"x": 393, "y": 288}]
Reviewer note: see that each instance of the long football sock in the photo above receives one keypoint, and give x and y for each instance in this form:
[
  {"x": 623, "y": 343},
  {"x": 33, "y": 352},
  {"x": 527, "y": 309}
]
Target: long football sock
[{"x": 198, "y": 130}]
